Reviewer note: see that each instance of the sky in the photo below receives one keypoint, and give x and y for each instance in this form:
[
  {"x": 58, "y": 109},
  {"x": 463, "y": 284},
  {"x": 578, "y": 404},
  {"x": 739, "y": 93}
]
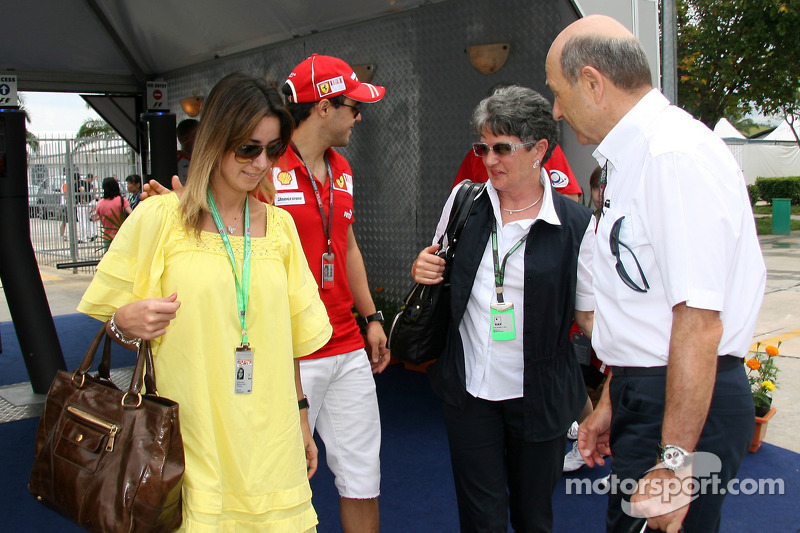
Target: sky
[{"x": 55, "y": 114}]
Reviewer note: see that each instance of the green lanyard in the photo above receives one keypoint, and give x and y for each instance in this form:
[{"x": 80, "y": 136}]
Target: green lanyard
[
  {"x": 243, "y": 288},
  {"x": 500, "y": 269}
]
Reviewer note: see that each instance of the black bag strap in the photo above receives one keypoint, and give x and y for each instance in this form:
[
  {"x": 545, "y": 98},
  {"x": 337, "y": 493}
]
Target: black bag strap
[{"x": 459, "y": 213}]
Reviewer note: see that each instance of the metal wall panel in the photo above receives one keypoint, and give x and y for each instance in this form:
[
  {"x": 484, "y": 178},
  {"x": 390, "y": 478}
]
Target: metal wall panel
[{"x": 408, "y": 147}]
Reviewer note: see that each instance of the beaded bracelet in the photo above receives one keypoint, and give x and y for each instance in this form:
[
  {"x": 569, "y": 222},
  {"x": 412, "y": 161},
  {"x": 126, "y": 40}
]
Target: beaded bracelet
[{"x": 136, "y": 341}]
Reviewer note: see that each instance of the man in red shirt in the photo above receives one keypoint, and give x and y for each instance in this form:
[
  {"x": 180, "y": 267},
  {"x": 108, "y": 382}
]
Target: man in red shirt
[{"x": 315, "y": 185}]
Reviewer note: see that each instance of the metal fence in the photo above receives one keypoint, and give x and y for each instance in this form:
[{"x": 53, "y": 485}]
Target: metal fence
[{"x": 64, "y": 184}]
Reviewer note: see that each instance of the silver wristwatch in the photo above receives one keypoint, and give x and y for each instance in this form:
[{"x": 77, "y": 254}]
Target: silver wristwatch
[{"x": 672, "y": 457}]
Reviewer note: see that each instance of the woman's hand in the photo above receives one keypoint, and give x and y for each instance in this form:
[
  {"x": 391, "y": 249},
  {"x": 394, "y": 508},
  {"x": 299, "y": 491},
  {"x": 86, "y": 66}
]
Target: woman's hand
[
  {"x": 312, "y": 453},
  {"x": 147, "y": 319},
  {"x": 428, "y": 267}
]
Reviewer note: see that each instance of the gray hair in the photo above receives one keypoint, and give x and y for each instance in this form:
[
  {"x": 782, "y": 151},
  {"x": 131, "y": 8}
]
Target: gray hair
[
  {"x": 621, "y": 60},
  {"x": 517, "y": 111}
]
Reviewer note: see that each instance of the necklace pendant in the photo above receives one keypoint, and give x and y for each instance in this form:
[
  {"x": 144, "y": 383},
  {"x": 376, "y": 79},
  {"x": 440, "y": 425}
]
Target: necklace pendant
[{"x": 231, "y": 230}]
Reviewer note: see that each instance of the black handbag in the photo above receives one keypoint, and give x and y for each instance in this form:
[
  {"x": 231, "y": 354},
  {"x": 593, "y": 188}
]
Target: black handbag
[{"x": 419, "y": 329}]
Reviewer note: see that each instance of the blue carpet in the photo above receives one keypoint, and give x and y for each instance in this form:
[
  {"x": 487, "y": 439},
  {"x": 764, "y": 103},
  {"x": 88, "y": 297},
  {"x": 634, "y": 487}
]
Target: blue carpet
[
  {"x": 417, "y": 485},
  {"x": 75, "y": 333}
]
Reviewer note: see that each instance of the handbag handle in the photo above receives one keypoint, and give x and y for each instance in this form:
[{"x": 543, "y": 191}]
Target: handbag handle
[
  {"x": 144, "y": 373},
  {"x": 459, "y": 213}
]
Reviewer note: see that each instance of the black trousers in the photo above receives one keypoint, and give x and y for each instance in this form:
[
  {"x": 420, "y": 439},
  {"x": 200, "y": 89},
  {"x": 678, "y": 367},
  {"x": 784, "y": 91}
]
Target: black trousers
[
  {"x": 638, "y": 410},
  {"x": 496, "y": 471}
]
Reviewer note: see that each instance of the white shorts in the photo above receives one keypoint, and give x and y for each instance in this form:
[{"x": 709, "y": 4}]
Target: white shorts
[{"x": 343, "y": 407}]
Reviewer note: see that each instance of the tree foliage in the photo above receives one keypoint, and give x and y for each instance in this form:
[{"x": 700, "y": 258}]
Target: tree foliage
[
  {"x": 736, "y": 55},
  {"x": 95, "y": 128},
  {"x": 31, "y": 140}
]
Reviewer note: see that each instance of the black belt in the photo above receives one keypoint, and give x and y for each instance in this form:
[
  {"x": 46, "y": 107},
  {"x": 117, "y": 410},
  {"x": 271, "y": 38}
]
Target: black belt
[{"x": 724, "y": 362}]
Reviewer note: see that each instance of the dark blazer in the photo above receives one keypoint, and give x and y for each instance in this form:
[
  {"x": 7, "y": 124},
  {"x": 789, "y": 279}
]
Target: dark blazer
[{"x": 553, "y": 388}]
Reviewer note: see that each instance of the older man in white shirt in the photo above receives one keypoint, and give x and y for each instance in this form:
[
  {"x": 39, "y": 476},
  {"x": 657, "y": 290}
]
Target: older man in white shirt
[{"x": 678, "y": 281}]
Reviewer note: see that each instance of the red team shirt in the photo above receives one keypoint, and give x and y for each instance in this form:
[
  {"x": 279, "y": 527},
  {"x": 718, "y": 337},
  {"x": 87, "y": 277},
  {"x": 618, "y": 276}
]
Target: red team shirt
[
  {"x": 295, "y": 194},
  {"x": 557, "y": 168}
]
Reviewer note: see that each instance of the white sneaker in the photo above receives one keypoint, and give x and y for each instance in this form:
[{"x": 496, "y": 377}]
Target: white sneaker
[
  {"x": 573, "y": 460},
  {"x": 572, "y": 432}
]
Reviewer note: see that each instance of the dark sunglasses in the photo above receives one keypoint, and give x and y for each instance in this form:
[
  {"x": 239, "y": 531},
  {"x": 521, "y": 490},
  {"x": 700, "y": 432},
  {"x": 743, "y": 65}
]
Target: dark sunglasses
[
  {"x": 247, "y": 152},
  {"x": 613, "y": 240},
  {"x": 356, "y": 109},
  {"x": 506, "y": 148}
]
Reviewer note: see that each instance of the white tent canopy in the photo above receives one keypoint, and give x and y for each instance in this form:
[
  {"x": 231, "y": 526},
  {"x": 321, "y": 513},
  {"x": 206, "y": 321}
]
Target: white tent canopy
[
  {"x": 726, "y": 130},
  {"x": 773, "y": 156},
  {"x": 784, "y": 131}
]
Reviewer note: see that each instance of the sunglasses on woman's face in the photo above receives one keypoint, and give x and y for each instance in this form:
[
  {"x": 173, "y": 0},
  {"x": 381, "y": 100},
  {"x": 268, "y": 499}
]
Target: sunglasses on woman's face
[
  {"x": 499, "y": 149},
  {"x": 247, "y": 152}
]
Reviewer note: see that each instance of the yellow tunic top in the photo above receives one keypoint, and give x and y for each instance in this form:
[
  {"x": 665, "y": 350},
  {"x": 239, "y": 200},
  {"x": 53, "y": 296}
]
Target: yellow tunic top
[{"x": 245, "y": 461}]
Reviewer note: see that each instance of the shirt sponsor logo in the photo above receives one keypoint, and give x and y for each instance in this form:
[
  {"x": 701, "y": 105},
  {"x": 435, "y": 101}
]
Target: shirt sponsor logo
[
  {"x": 284, "y": 179},
  {"x": 348, "y": 214},
  {"x": 344, "y": 183},
  {"x": 558, "y": 179},
  {"x": 333, "y": 85},
  {"x": 290, "y": 198}
]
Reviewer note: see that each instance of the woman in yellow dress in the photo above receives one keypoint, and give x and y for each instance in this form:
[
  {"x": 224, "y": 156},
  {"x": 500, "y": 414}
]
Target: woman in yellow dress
[{"x": 219, "y": 284}]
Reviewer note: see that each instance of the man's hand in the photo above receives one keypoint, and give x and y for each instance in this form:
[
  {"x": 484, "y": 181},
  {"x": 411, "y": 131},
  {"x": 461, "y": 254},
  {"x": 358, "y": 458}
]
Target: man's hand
[
  {"x": 154, "y": 188},
  {"x": 661, "y": 498},
  {"x": 594, "y": 433},
  {"x": 378, "y": 355}
]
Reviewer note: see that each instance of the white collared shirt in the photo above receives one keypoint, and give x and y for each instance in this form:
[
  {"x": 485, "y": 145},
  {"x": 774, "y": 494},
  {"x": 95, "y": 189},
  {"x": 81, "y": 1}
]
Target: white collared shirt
[
  {"x": 494, "y": 369},
  {"x": 688, "y": 221}
]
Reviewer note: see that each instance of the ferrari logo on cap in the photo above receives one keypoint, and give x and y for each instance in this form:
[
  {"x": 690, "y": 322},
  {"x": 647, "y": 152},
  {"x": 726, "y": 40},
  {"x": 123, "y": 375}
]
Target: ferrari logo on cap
[{"x": 331, "y": 86}]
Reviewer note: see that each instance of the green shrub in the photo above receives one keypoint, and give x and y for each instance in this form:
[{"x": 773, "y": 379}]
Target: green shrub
[
  {"x": 769, "y": 188},
  {"x": 752, "y": 190}
]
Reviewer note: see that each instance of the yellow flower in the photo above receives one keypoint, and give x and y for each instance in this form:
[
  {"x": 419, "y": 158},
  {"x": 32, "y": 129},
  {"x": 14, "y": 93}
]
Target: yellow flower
[
  {"x": 768, "y": 385},
  {"x": 753, "y": 364},
  {"x": 772, "y": 351}
]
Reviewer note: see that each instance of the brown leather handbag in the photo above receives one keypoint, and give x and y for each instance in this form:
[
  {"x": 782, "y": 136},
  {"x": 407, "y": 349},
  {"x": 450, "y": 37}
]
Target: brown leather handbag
[{"x": 107, "y": 459}]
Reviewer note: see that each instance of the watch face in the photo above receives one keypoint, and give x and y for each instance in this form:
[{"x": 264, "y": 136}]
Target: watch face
[{"x": 672, "y": 458}]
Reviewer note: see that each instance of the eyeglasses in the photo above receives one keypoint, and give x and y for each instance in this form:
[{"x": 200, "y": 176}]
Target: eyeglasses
[
  {"x": 247, "y": 152},
  {"x": 499, "y": 149},
  {"x": 356, "y": 109},
  {"x": 615, "y": 243}
]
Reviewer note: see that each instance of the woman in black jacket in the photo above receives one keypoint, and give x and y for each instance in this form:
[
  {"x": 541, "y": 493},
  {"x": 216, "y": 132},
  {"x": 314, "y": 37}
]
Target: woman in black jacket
[{"x": 508, "y": 377}]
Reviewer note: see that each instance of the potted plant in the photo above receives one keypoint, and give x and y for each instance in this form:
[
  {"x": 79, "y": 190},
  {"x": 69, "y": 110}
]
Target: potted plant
[{"x": 762, "y": 373}]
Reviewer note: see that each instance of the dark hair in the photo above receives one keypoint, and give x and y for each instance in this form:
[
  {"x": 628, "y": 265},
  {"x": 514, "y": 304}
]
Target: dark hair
[
  {"x": 518, "y": 111},
  {"x": 594, "y": 179},
  {"x": 621, "y": 60},
  {"x": 185, "y": 127},
  {"x": 110, "y": 188},
  {"x": 134, "y": 178},
  {"x": 301, "y": 111}
]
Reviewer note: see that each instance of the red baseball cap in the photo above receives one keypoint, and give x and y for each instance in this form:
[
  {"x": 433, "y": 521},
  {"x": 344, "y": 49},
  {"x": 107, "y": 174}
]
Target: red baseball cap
[{"x": 320, "y": 77}]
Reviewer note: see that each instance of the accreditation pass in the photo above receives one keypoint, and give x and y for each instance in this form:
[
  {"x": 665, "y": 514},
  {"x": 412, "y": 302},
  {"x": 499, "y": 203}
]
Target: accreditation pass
[{"x": 243, "y": 384}]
